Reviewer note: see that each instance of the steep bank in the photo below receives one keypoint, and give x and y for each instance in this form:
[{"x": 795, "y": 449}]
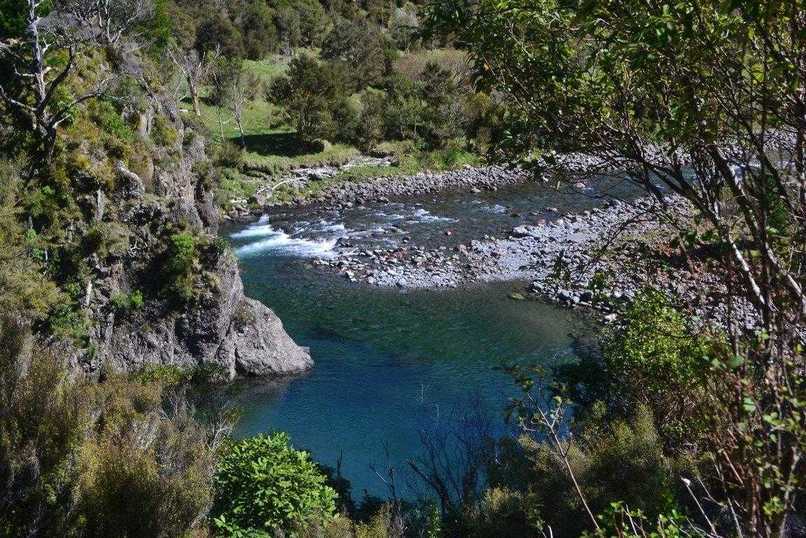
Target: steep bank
[{"x": 150, "y": 302}]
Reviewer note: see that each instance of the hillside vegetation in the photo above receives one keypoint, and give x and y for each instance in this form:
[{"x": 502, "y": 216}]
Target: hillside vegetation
[{"x": 128, "y": 128}]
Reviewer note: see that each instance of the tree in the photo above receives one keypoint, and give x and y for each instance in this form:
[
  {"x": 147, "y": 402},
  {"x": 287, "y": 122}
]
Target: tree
[
  {"x": 235, "y": 88},
  {"x": 36, "y": 94},
  {"x": 108, "y": 20},
  {"x": 313, "y": 21},
  {"x": 660, "y": 92},
  {"x": 311, "y": 92},
  {"x": 444, "y": 108},
  {"x": 288, "y": 28},
  {"x": 361, "y": 48},
  {"x": 404, "y": 26},
  {"x": 258, "y": 30},
  {"x": 218, "y": 33},
  {"x": 196, "y": 69}
]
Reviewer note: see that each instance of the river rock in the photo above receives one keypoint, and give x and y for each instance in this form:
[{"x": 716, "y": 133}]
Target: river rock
[
  {"x": 262, "y": 347},
  {"x": 525, "y": 230},
  {"x": 224, "y": 329}
]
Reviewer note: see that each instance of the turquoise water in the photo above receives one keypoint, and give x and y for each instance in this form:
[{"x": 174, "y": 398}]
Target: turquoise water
[{"x": 389, "y": 363}]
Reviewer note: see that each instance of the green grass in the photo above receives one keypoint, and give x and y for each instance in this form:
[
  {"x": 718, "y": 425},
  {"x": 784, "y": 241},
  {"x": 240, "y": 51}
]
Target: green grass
[
  {"x": 408, "y": 164},
  {"x": 235, "y": 186},
  {"x": 260, "y": 116},
  {"x": 274, "y": 164},
  {"x": 268, "y": 69},
  {"x": 412, "y": 161},
  {"x": 272, "y": 147}
]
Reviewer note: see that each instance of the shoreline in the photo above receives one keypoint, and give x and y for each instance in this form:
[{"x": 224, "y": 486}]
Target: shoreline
[
  {"x": 598, "y": 259},
  {"x": 386, "y": 188}
]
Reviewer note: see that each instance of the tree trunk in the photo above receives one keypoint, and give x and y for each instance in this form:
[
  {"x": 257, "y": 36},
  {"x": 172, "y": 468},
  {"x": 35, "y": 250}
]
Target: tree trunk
[
  {"x": 239, "y": 122},
  {"x": 194, "y": 95}
]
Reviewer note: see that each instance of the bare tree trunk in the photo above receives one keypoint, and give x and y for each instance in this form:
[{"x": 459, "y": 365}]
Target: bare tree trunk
[
  {"x": 194, "y": 95},
  {"x": 238, "y": 121}
]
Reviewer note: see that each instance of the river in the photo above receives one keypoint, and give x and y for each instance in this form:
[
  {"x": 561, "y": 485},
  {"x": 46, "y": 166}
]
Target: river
[{"x": 391, "y": 363}]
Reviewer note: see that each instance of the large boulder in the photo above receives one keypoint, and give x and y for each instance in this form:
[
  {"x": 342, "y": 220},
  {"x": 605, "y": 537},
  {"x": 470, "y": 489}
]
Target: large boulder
[
  {"x": 257, "y": 344},
  {"x": 223, "y": 329}
]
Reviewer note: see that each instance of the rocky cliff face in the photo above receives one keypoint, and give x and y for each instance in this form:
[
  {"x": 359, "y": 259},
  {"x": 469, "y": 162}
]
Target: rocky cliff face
[
  {"x": 217, "y": 327},
  {"x": 223, "y": 331}
]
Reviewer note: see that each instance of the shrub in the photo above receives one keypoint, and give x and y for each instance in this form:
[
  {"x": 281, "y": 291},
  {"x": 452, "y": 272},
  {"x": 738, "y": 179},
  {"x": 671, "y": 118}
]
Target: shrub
[
  {"x": 109, "y": 119},
  {"x": 181, "y": 258},
  {"x": 106, "y": 239},
  {"x": 163, "y": 133},
  {"x": 656, "y": 360},
  {"x": 229, "y": 154},
  {"x": 612, "y": 460},
  {"x": 263, "y": 484},
  {"x": 124, "y": 303},
  {"x": 146, "y": 468},
  {"x": 117, "y": 458}
]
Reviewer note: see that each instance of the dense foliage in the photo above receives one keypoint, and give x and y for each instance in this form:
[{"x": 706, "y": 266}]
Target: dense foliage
[
  {"x": 77, "y": 457},
  {"x": 264, "y": 484},
  {"x": 673, "y": 427},
  {"x": 703, "y": 100}
]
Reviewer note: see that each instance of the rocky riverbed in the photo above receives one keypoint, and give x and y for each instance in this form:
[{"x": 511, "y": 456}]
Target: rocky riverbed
[
  {"x": 598, "y": 259},
  {"x": 386, "y": 188},
  {"x": 380, "y": 189}
]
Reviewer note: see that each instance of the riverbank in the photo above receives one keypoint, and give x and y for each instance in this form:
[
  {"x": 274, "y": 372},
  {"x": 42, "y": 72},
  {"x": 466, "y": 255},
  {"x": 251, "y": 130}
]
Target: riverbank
[
  {"x": 596, "y": 255},
  {"x": 324, "y": 188},
  {"x": 598, "y": 259}
]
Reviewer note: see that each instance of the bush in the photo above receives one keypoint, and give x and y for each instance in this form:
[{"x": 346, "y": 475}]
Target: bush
[
  {"x": 123, "y": 303},
  {"x": 263, "y": 484},
  {"x": 229, "y": 154},
  {"x": 612, "y": 460},
  {"x": 163, "y": 133},
  {"x": 656, "y": 360},
  {"x": 181, "y": 259},
  {"x": 77, "y": 458}
]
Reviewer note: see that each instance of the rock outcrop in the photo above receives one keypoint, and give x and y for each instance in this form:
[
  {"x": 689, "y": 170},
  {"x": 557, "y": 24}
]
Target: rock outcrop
[
  {"x": 224, "y": 332},
  {"x": 216, "y": 327},
  {"x": 261, "y": 346}
]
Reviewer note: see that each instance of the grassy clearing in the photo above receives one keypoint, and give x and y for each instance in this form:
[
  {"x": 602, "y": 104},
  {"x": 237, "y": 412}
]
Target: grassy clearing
[
  {"x": 272, "y": 147},
  {"x": 235, "y": 185},
  {"x": 273, "y": 163},
  {"x": 260, "y": 116},
  {"x": 412, "y": 64}
]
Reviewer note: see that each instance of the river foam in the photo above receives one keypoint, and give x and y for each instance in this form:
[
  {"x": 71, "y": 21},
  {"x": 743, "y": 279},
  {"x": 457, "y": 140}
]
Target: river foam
[{"x": 279, "y": 242}]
